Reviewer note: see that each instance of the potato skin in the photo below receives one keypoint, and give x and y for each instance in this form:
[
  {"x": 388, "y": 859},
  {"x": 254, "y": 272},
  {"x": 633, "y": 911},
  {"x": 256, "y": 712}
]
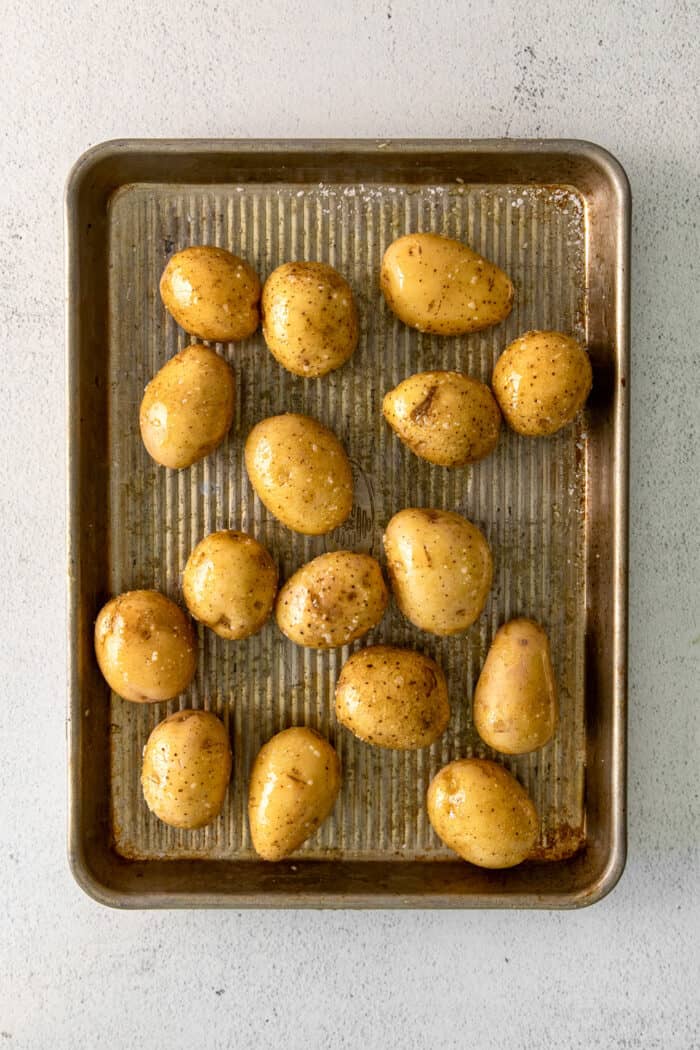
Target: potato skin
[
  {"x": 186, "y": 769},
  {"x": 541, "y": 381},
  {"x": 301, "y": 473},
  {"x": 211, "y": 293},
  {"x": 439, "y": 285},
  {"x": 187, "y": 407},
  {"x": 294, "y": 783},
  {"x": 440, "y": 567},
  {"x": 515, "y": 700},
  {"x": 394, "y": 698},
  {"x": 447, "y": 418},
  {"x": 229, "y": 584},
  {"x": 309, "y": 316},
  {"x": 482, "y": 813},
  {"x": 332, "y": 600},
  {"x": 145, "y": 646}
]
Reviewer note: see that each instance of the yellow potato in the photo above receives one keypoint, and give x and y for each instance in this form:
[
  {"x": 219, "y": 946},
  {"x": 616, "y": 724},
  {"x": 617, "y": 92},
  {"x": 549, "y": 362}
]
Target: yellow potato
[
  {"x": 145, "y": 646},
  {"x": 541, "y": 381},
  {"x": 481, "y": 812},
  {"x": 440, "y": 568},
  {"x": 439, "y": 285},
  {"x": 515, "y": 701},
  {"x": 293, "y": 787},
  {"x": 187, "y": 407},
  {"x": 229, "y": 583},
  {"x": 301, "y": 473},
  {"x": 392, "y": 697},
  {"x": 211, "y": 293},
  {"x": 447, "y": 418},
  {"x": 309, "y": 318},
  {"x": 332, "y": 600},
  {"x": 186, "y": 769}
]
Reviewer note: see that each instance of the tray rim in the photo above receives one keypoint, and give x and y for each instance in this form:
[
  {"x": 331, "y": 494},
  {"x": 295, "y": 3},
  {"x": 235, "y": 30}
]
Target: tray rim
[{"x": 87, "y": 879}]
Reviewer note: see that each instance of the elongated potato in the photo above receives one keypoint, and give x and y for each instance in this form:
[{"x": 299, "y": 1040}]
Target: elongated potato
[
  {"x": 481, "y": 812},
  {"x": 293, "y": 787},
  {"x": 186, "y": 769},
  {"x": 439, "y": 285},
  {"x": 301, "y": 473},
  {"x": 440, "y": 567},
  {"x": 211, "y": 293},
  {"x": 309, "y": 318},
  {"x": 447, "y": 418},
  {"x": 187, "y": 407},
  {"x": 515, "y": 700},
  {"x": 391, "y": 697},
  {"x": 332, "y": 600}
]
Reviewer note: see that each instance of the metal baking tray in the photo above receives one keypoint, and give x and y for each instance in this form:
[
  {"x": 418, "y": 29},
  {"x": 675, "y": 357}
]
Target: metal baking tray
[{"x": 555, "y": 216}]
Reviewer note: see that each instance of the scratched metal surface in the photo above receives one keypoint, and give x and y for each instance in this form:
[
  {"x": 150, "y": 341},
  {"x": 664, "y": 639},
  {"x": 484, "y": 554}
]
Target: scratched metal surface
[{"x": 528, "y": 497}]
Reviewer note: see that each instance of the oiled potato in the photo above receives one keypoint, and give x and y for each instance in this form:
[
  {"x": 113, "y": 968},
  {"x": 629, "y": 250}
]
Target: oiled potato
[
  {"x": 211, "y": 293},
  {"x": 145, "y": 646},
  {"x": 436, "y": 284},
  {"x": 229, "y": 583},
  {"x": 187, "y": 407},
  {"x": 301, "y": 473},
  {"x": 332, "y": 600},
  {"x": 293, "y": 787},
  {"x": 515, "y": 700},
  {"x": 447, "y": 418},
  {"x": 541, "y": 381},
  {"x": 309, "y": 318},
  {"x": 440, "y": 568},
  {"x": 481, "y": 812},
  {"x": 186, "y": 769},
  {"x": 392, "y": 697}
]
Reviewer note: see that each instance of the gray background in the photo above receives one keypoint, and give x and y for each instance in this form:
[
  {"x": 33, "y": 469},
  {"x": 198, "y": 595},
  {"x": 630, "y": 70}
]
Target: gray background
[{"x": 622, "y": 974}]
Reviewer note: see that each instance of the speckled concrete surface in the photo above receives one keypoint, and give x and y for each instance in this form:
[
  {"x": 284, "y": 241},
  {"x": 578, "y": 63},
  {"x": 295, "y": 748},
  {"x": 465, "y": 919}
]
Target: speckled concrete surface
[{"x": 622, "y": 974}]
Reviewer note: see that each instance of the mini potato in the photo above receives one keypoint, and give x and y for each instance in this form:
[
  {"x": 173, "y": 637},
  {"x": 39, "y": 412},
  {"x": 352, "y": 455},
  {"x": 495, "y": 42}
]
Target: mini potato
[
  {"x": 293, "y": 787},
  {"x": 439, "y": 285},
  {"x": 541, "y": 381},
  {"x": 229, "y": 584},
  {"x": 482, "y": 813},
  {"x": 391, "y": 697},
  {"x": 211, "y": 293},
  {"x": 145, "y": 646},
  {"x": 515, "y": 701},
  {"x": 301, "y": 473},
  {"x": 440, "y": 568},
  {"x": 187, "y": 408},
  {"x": 447, "y": 418},
  {"x": 332, "y": 600},
  {"x": 186, "y": 769},
  {"x": 309, "y": 318}
]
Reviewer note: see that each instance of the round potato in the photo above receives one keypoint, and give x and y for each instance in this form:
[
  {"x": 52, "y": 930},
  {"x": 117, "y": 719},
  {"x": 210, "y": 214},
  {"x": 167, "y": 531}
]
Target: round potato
[
  {"x": 301, "y": 473},
  {"x": 541, "y": 381},
  {"x": 391, "y": 697},
  {"x": 186, "y": 769},
  {"x": 439, "y": 285},
  {"x": 293, "y": 787},
  {"x": 447, "y": 418},
  {"x": 211, "y": 293},
  {"x": 145, "y": 646},
  {"x": 515, "y": 700},
  {"x": 309, "y": 318},
  {"x": 332, "y": 600},
  {"x": 440, "y": 568},
  {"x": 187, "y": 407},
  {"x": 229, "y": 584},
  {"x": 481, "y": 812}
]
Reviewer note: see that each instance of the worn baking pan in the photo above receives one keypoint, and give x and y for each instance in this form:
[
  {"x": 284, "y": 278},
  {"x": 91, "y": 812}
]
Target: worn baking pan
[{"x": 555, "y": 215}]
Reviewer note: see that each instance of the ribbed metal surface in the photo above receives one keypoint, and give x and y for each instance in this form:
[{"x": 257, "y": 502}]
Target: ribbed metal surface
[{"x": 528, "y": 497}]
